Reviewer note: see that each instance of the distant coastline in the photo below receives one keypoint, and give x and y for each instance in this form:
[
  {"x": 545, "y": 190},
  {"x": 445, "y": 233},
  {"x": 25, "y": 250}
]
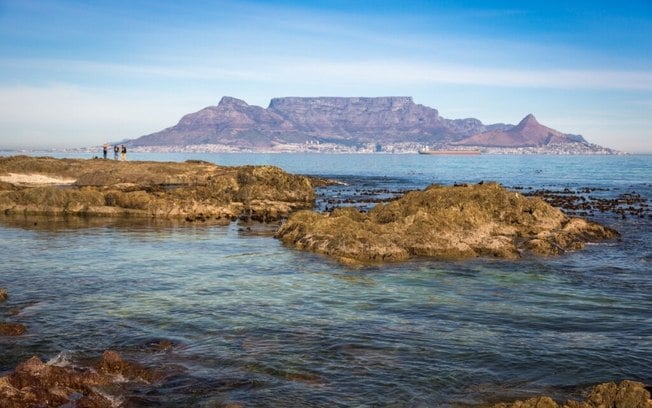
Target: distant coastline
[
  {"x": 398, "y": 148},
  {"x": 394, "y": 148},
  {"x": 353, "y": 125},
  {"x": 326, "y": 148}
]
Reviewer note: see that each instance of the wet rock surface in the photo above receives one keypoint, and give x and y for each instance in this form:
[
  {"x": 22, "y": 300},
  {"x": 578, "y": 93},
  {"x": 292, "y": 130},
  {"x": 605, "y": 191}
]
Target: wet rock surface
[
  {"x": 462, "y": 221},
  {"x": 8, "y": 328},
  {"x": 112, "y": 381},
  {"x": 592, "y": 201},
  {"x": 627, "y": 394},
  {"x": 194, "y": 191},
  {"x": 37, "y": 384},
  {"x": 579, "y": 201},
  {"x": 12, "y": 329}
]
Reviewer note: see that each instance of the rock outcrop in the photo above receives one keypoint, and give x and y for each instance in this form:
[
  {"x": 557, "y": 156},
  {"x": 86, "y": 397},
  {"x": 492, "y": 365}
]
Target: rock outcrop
[
  {"x": 192, "y": 190},
  {"x": 343, "y": 121},
  {"x": 36, "y": 384},
  {"x": 443, "y": 222},
  {"x": 110, "y": 381},
  {"x": 627, "y": 394},
  {"x": 12, "y": 329}
]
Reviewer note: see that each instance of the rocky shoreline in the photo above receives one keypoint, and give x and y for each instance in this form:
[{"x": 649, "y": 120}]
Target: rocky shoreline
[
  {"x": 462, "y": 221},
  {"x": 35, "y": 383},
  {"x": 626, "y": 394},
  {"x": 111, "y": 381},
  {"x": 457, "y": 222},
  {"x": 190, "y": 191}
]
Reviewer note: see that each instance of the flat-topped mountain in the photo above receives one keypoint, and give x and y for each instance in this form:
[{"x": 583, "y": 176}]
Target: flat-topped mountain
[{"x": 291, "y": 122}]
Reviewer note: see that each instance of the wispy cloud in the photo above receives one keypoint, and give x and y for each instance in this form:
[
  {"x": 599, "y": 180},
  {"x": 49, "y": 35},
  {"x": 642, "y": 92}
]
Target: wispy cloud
[
  {"x": 382, "y": 72},
  {"x": 62, "y": 67},
  {"x": 369, "y": 72}
]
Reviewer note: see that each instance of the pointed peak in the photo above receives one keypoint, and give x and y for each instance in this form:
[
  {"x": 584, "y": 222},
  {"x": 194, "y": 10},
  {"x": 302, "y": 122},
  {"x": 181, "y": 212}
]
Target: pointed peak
[
  {"x": 231, "y": 101},
  {"x": 529, "y": 119}
]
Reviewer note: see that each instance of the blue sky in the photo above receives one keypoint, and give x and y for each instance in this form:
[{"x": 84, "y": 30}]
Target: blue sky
[{"x": 79, "y": 73}]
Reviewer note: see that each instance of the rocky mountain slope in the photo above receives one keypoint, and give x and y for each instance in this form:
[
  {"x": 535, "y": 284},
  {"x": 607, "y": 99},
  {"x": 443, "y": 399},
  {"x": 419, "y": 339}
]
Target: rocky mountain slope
[
  {"x": 352, "y": 122},
  {"x": 528, "y": 133}
]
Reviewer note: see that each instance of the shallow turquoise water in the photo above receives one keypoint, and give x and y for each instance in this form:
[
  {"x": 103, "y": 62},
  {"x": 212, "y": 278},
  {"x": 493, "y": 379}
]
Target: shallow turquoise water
[{"x": 255, "y": 322}]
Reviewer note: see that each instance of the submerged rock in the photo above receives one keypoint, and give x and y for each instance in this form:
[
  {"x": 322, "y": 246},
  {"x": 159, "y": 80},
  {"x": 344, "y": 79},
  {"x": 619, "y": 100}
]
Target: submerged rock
[
  {"x": 627, "y": 394},
  {"x": 111, "y": 363},
  {"x": 443, "y": 222},
  {"x": 192, "y": 191},
  {"x": 3, "y": 294},
  {"x": 34, "y": 383},
  {"x": 12, "y": 329}
]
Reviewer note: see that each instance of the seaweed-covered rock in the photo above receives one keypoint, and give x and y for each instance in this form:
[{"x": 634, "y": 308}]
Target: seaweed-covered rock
[
  {"x": 36, "y": 384},
  {"x": 627, "y": 394},
  {"x": 12, "y": 329},
  {"x": 443, "y": 222},
  {"x": 3, "y": 294},
  {"x": 111, "y": 363},
  {"x": 192, "y": 191}
]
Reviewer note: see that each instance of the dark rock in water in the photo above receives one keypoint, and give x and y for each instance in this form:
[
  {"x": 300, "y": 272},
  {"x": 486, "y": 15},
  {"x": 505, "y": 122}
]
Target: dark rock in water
[
  {"x": 3, "y": 294},
  {"x": 12, "y": 329},
  {"x": 160, "y": 345},
  {"x": 443, "y": 222},
  {"x": 627, "y": 394},
  {"x": 192, "y": 191},
  {"x": 112, "y": 364},
  {"x": 34, "y": 383},
  {"x": 582, "y": 202}
]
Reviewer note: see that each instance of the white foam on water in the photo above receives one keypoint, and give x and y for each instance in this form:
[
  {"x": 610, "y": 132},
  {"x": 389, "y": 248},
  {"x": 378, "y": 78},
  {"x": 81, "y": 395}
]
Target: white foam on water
[
  {"x": 63, "y": 359},
  {"x": 116, "y": 401}
]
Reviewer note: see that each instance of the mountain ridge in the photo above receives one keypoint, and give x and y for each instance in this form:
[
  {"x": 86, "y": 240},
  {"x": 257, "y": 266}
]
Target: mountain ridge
[{"x": 351, "y": 122}]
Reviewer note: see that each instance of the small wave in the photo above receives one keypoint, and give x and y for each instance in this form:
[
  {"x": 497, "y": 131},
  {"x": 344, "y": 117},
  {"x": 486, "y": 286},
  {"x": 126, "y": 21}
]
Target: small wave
[
  {"x": 603, "y": 244},
  {"x": 63, "y": 359},
  {"x": 245, "y": 255},
  {"x": 33, "y": 307},
  {"x": 120, "y": 379},
  {"x": 116, "y": 401}
]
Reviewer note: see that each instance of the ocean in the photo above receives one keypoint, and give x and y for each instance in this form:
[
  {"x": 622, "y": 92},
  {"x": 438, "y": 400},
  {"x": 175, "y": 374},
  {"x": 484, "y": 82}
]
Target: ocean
[{"x": 255, "y": 323}]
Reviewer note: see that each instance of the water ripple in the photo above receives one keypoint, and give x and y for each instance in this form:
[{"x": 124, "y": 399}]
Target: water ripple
[{"x": 234, "y": 316}]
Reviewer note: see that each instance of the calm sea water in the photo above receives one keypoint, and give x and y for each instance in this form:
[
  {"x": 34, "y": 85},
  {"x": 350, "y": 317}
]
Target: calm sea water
[{"x": 254, "y": 322}]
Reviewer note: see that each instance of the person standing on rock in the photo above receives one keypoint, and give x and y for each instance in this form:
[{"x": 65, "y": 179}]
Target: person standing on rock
[
  {"x": 105, "y": 150},
  {"x": 123, "y": 153},
  {"x": 116, "y": 151}
]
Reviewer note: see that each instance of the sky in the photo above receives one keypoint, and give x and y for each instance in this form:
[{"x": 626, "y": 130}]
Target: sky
[{"x": 81, "y": 73}]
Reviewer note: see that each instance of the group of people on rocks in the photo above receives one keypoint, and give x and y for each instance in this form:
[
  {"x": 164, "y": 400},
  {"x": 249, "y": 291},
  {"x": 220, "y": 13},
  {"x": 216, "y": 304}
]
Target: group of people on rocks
[{"x": 118, "y": 152}]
